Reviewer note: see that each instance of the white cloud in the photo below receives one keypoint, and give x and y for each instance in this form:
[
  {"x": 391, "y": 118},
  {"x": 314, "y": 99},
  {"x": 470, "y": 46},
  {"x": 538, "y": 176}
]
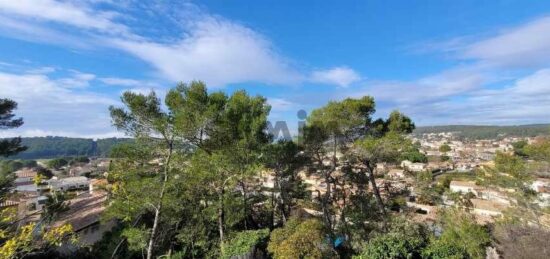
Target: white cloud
[
  {"x": 46, "y": 133},
  {"x": 42, "y": 70},
  {"x": 526, "y": 45},
  {"x": 446, "y": 84},
  {"x": 70, "y": 13},
  {"x": 340, "y": 76},
  {"x": 120, "y": 81},
  {"x": 77, "y": 80},
  {"x": 49, "y": 105},
  {"x": 217, "y": 51},
  {"x": 279, "y": 104},
  {"x": 525, "y": 100},
  {"x": 206, "y": 47}
]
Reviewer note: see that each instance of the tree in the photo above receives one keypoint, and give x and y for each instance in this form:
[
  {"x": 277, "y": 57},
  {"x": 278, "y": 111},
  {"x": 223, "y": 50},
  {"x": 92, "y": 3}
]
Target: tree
[
  {"x": 461, "y": 236},
  {"x": 18, "y": 242},
  {"x": 192, "y": 166},
  {"x": 403, "y": 240},
  {"x": 329, "y": 130},
  {"x": 445, "y": 148},
  {"x": 9, "y": 147},
  {"x": 230, "y": 134},
  {"x": 426, "y": 193},
  {"x": 144, "y": 119},
  {"x": 539, "y": 151},
  {"x": 519, "y": 147},
  {"x": 285, "y": 158},
  {"x": 300, "y": 239},
  {"x": 246, "y": 243},
  {"x": 57, "y": 163},
  {"x": 382, "y": 146}
]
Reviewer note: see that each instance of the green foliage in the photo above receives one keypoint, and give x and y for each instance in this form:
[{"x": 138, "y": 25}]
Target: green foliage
[
  {"x": 426, "y": 192},
  {"x": 445, "y": 158},
  {"x": 519, "y": 147},
  {"x": 513, "y": 166},
  {"x": 539, "y": 151},
  {"x": 136, "y": 238},
  {"x": 398, "y": 122},
  {"x": 444, "y": 148},
  {"x": 57, "y": 163},
  {"x": 487, "y": 132},
  {"x": 414, "y": 155},
  {"x": 461, "y": 235},
  {"x": 300, "y": 239},
  {"x": 403, "y": 240},
  {"x": 245, "y": 241},
  {"x": 9, "y": 147},
  {"x": 439, "y": 249},
  {"x": 55, "y": 147}
]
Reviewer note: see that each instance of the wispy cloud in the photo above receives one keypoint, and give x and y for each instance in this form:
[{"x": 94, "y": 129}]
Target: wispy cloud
[
  {"x": 56, "y": 104},
  {"x": 525, "y": 45},
  {"x": 340, "y": 76},
  {"x": 77, "y": 14},
  {"x": 218, "y": 51},
  {"x": 206, "y": 47}
]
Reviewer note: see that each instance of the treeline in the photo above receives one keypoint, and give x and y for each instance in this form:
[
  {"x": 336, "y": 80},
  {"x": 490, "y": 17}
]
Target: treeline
[
  {"x": 488, "y": 132},
  {"x": 54, "y": 147}
]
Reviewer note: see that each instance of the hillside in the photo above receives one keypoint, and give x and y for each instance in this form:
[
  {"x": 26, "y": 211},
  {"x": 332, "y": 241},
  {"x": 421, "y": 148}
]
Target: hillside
[
  {"x": 488, "y": 132},
  {"x": 51, "y": 147}
]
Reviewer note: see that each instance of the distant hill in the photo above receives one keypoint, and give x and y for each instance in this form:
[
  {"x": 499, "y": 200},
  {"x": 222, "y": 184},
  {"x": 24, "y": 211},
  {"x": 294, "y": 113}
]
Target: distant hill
[
  {"x": 52, "y": 147},
  {"x": 488, "y": 132}
]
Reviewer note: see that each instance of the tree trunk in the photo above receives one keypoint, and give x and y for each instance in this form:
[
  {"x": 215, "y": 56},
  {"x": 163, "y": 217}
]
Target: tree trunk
[
  {"x": 245, "y": 204},
  {"x": 281, "y": 201},
  {"x": 379, "y": 200},
  {"x": 221, "y": 219},
  {"x": 159, "y": 205},
  {"x": 370, "y": 173},
  {"x": 273, "y": 208}
]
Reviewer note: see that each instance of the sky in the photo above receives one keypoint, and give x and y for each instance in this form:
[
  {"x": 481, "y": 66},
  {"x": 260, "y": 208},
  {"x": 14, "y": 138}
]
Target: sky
[{"x": 439, "y": 62}]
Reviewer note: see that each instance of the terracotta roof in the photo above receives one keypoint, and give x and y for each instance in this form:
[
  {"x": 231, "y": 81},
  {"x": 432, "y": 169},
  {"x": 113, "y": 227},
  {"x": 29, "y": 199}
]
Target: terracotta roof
[
  {"x": 83, "y": 211},
  {"x": 25, "y": 173},
  {"x": 463, "y": 183},
  {"x": 488, "y": 205}
]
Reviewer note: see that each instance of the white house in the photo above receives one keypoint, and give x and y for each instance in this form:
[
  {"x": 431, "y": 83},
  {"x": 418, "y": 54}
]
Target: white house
[
  {"x": 70, "y": 183},
  {"x": 415, "y": 167},
  {"x": 463, "y": 186}
]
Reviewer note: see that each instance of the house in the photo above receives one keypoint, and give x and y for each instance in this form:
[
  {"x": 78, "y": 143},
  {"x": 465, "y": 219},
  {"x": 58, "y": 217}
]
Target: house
[
  {"x": 463, "y": 186},
  {"x": 487, "y": 208},
  {"x": 539, "y": 184},
  {"x": 69, "y": 184},
  {"x": 25, "y": 175},
  {"x": 396, "y": 174},
  {"x": 84, "y": 216},
  {"x": 415, "y": 167},
  {"x": 542, "y": 187}
]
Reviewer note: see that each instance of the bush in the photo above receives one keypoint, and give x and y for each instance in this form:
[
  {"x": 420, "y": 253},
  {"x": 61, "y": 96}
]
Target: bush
[
  {"x": 404, "y": 240},
  {"x": 300, "y": 239},
  {"x": 245, "y": 242}
]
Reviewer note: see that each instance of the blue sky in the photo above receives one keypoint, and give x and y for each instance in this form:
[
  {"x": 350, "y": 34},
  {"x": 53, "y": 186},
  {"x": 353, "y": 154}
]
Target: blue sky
[{"x": 440, "y": 62}]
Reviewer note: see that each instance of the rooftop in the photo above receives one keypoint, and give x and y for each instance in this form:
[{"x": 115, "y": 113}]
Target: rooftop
[{"x": 463, "y": 183}]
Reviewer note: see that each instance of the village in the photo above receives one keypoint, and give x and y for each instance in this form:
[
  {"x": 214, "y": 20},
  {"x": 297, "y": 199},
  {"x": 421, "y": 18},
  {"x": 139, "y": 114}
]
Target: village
[{"x": 452, "y": 164}]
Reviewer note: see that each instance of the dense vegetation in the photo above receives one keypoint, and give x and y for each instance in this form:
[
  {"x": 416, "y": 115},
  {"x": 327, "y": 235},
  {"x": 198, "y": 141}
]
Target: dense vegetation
[
  {"x": 54, "y": 147},
  {"x": 488, "y": 132},
  {"x": 192, "y": 183}
]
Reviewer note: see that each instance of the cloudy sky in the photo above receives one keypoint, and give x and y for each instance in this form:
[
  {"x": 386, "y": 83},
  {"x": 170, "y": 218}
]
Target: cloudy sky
[{"x": 441, "y": 62}]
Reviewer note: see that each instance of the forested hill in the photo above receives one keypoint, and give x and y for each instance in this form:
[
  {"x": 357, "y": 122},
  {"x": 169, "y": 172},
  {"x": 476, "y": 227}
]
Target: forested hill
[
  {"x": 488, "y": 132},
  {"x": 51, "y": 147}
]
